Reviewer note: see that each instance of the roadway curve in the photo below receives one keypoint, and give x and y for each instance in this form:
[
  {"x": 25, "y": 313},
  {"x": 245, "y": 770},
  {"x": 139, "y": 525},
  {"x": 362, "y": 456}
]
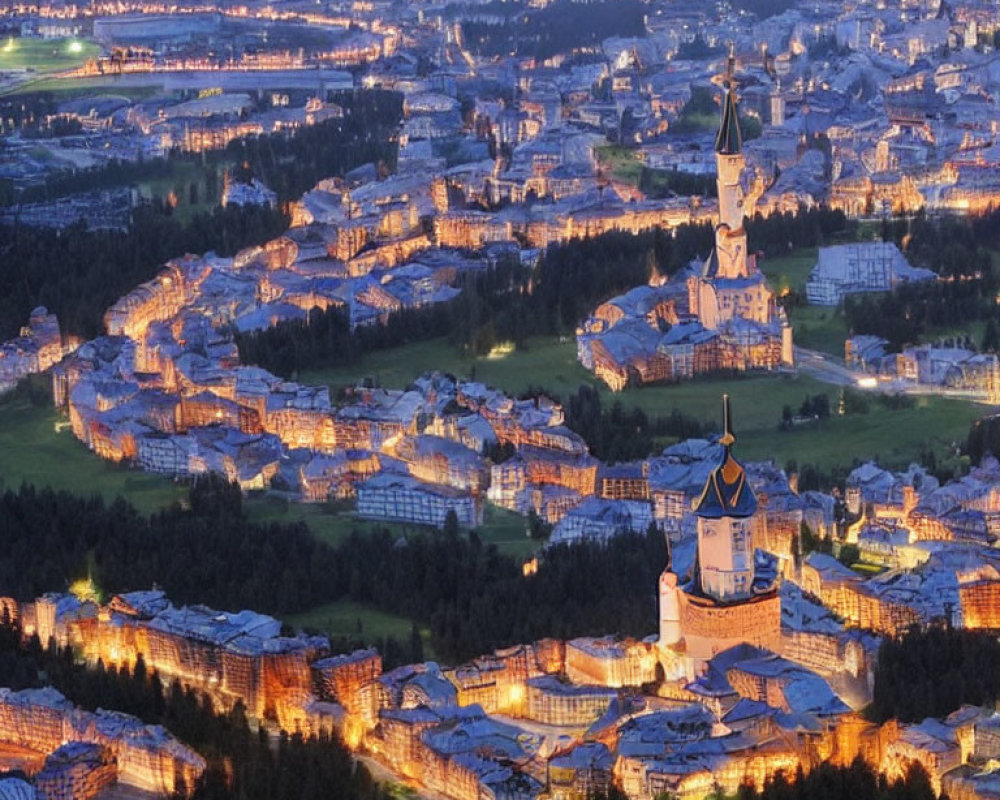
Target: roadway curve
[{"x": 830, "y": 369}]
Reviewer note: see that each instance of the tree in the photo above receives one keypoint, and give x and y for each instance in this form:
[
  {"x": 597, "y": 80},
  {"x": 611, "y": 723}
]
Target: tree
[
  {"x": 991, "y": 337},
  {"x": 416, "y": 653},
  {"x": 849, "y": 554}
]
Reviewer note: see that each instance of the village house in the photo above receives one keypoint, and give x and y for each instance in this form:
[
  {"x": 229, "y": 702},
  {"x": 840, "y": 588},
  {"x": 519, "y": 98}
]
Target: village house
[
  {"x": 39, "y": 347},
  {"x": 401, "y": 498},
  {"x": 86, "y": 751},
  {"x": 862, "y": 267}
]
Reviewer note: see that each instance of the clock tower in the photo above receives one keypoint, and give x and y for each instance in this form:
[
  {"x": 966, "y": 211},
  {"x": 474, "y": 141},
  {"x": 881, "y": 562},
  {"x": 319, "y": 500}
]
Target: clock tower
[
  {"x": 730, "y": 596},
  {"x": 724, "y": 510}
]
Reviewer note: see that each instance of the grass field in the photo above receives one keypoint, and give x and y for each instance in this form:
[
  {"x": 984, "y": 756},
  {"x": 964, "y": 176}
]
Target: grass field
[
  {"x": 621, "y": 162},
  {"x": 182, "y": 175},
  {"x": 816, "y": 327},
  {"x": 45, "y": 55},
  {"x": 820, "y": 328},
  {"x": 546, "y": 362},
  {"x": 507, "y": 530},
  {"x": 32, "y": 450},
  {"x": 343, "y": 617},
  {"x": 789, "y": 272},
  {"x": 551, "y": 363},
  {"x": 503, "y": 528},
  {"x": 326, "y": 523},
  {"x": 134, "y": 85},
  {"x": 37, "y": 447},
  {"x": 895, "y": 437}
]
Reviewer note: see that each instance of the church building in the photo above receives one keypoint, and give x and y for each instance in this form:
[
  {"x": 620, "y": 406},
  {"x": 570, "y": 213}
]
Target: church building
[
  {"x": 730, "y": 288},
  {"x": 718, "y": 314}
]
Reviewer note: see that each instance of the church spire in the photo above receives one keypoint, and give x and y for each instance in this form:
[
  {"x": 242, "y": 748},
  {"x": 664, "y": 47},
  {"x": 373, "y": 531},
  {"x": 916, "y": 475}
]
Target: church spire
[
  {"x": 727, "y": 492},
  {"x": 727, "y": 439},
  {"x": 729, "y": 140}
]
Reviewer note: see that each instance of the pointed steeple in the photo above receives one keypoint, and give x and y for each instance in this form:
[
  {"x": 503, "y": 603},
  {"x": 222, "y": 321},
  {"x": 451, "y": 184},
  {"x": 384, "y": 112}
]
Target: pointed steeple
[
  {"x": 729, "y": 140},
  {"x": 727, "y": 492},
  {"x": 727, "y": 440}
]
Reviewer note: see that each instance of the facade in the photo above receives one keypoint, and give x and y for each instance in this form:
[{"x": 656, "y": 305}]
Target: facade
[
  {"x": 554, "y": 702},
  {"x": 39, "y": 347},
  {"x": 85, "y": 751},
  {"x": 861, "y": 267},
  {"x": 730, "y": 596},
  {"x": 393, "y": 497},
  {"x": 76, "y": 771},
  {"x": 720, "y": 315}
]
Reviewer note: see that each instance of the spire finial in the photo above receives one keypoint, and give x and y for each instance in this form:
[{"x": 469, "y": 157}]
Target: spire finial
[
  {"x": 729, "y": 140},
  {"x": 727, "y": 439}
]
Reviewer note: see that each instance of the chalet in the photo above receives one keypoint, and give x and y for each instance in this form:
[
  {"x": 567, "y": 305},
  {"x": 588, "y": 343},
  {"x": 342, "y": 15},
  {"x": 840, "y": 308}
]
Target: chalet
[{"x": 401, "y": 498}]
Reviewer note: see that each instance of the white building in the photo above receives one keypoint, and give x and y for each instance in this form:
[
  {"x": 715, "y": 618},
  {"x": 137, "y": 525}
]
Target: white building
[
  {"x": 400, "y": 498},
  {"x": 861, "y": 267}
]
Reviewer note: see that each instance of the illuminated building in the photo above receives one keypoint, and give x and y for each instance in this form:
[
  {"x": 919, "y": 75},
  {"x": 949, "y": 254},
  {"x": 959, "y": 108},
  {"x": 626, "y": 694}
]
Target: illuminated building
[
  {"x": 341, "y": 677},
  {"x": 38, "y": 348},
  {"x": 555, "y": 702},
  {"x": 730, "y": 597},
  {"x": 142, "y": 756},
  {"x": 979, "y": 596},
  {"x": 76, "y": 771},
  {"x": 229, "y": 656},
  {"x": 609, "y": 661},
  {"x": 724, "y": 317}
]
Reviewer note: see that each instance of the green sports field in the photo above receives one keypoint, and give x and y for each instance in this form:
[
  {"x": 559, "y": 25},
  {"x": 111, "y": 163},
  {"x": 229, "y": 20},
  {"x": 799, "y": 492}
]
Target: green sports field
[{"x": 45, "y": 55}]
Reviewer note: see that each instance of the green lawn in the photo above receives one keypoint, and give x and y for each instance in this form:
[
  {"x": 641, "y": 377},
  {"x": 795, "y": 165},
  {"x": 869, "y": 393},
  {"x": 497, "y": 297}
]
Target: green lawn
[
  {"x": 503, "y": 528},
  {"x": 36, "y": 446},
  {"x": 45, "y": 55},
  {"x": 816, "y": 327},
  {"x": 182, "y": 175},
  {"x": 136, "y": 85},
  {"x": 621, "y": 162},
  {"x": 552, "y": 363},
  {"x": 508, "y": 531},
  {"x": 326, "y": 523},
  {"x": 546, "y": 362},
  {"x": 789, "y": 272},
  {"x": 896, "y": 437},
  {"x": 822, "y": 328},
  {"x": 342, "y": 619}
]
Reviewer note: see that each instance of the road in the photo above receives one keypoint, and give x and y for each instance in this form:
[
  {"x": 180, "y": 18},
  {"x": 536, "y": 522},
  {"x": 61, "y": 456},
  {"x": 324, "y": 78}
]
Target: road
[
  {"x": 830, "y": 369},
  {"x": 824, "y": 368}
]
